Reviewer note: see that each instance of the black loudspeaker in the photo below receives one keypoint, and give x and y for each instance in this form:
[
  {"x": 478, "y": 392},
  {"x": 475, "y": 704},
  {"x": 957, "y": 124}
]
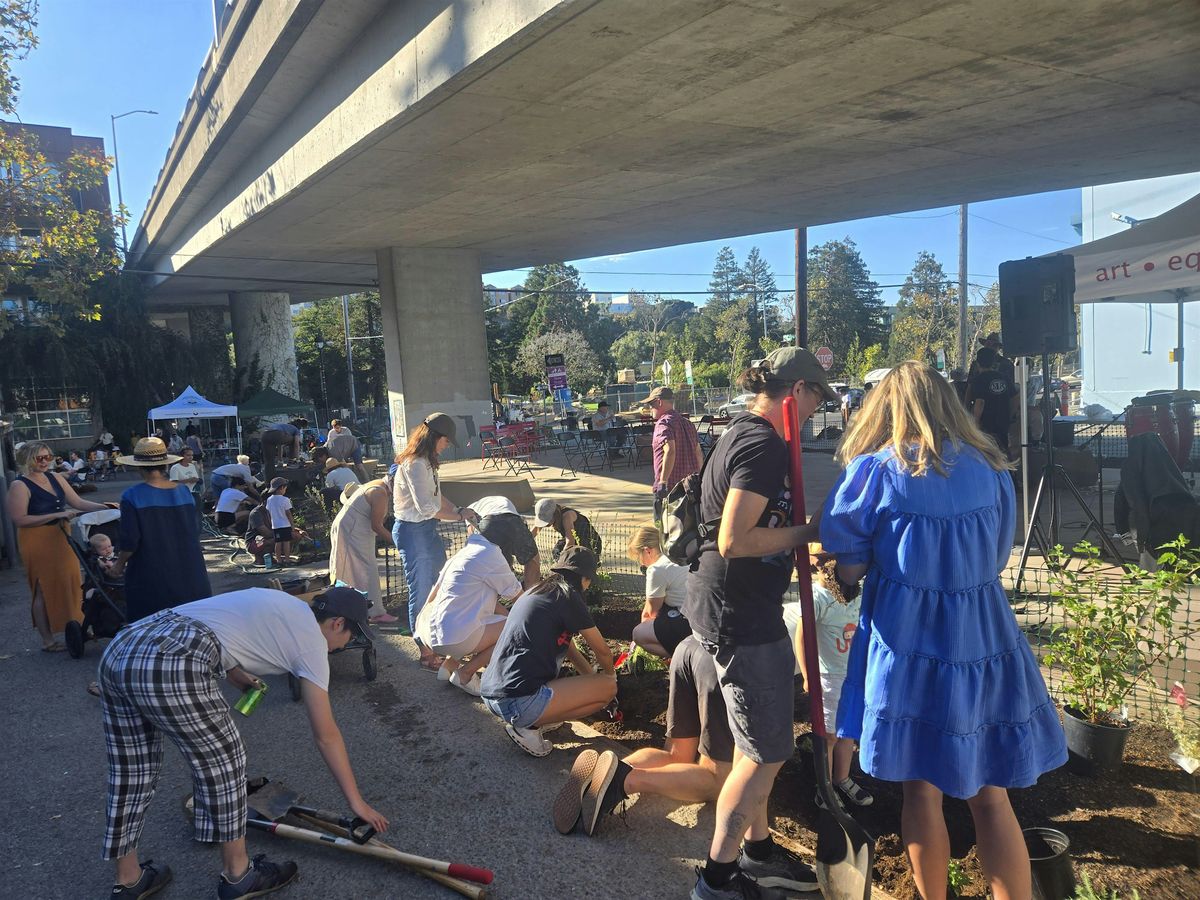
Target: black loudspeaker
[{"x": 1037, "y": 305}]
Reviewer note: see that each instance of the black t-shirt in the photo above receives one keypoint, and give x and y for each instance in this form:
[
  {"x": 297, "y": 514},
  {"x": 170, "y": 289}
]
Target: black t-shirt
[
  {"x": 739, "y": 601},
  {"x": 534, "y": 640},
  {"x": 996, "y": 391}
]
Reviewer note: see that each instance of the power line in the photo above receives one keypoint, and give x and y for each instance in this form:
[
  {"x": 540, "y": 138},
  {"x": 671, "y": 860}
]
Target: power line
[{"x": 1044, "y": 237}]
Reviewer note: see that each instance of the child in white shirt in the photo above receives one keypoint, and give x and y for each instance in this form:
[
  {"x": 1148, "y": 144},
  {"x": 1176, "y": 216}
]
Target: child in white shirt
[
  {"x": 836, "y": 619},
  {"x": 280, "y": 509}
]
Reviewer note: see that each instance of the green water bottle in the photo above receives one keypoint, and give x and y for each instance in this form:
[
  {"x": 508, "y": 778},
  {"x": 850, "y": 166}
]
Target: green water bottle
[{"x": 250, "y": 698}]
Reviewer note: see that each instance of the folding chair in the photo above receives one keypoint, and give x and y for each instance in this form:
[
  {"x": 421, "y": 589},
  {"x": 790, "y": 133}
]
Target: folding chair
[
  {"x": 516, "y": 461},
  {"x": 643, "y": 445},
  {"x": 573, "y": 456}
]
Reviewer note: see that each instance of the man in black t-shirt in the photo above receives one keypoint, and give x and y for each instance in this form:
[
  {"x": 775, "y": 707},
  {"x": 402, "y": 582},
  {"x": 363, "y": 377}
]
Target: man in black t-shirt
[{"x": 992, "y": 397}]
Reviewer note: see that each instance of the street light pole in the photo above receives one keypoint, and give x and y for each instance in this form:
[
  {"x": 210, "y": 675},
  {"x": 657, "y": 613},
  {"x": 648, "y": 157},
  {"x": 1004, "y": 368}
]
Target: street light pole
[
  {"x": 117, "y": 169},
  {"x": 320, "y": 342},
  {"x": 349, "y": 358}
]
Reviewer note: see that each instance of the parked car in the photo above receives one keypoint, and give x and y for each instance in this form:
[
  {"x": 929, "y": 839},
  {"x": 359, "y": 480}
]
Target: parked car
[{"x": 738, "y": 404}]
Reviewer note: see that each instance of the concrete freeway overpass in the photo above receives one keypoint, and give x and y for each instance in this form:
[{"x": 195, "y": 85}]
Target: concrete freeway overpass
[{"x": 416, "y": 144}]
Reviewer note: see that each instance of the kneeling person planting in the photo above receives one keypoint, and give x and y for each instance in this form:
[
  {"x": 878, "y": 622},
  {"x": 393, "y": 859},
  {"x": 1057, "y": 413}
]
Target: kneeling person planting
[
  {"x": 160, "y": 677},
  {"x": 521, "y": 684}
]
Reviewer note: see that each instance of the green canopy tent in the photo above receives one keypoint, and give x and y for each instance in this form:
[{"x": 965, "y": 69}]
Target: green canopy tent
[{"x": 272, "y": 403}]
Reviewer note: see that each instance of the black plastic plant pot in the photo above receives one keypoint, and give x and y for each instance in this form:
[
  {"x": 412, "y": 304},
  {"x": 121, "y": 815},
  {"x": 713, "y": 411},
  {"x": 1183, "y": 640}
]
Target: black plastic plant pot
[
  {"x": 1093, "y": 749},
  {"x": 1053, "y": 874}
]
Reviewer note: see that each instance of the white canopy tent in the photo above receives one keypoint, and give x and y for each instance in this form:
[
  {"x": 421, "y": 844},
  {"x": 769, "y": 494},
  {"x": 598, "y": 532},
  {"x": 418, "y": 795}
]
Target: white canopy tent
[
  {"x": 190, "y": 405},
  {"x": 1155, "y": 261}
]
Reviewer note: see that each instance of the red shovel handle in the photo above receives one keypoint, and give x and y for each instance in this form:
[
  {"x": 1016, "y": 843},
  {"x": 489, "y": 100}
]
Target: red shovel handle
[
  {"x": 791, "y": 433},
  {"x": 470, "y": 873}
]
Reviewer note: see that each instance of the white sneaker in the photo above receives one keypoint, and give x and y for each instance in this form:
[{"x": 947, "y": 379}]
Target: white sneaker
[
  {"x": 473, "y": 687},
  {"x": 530, "y": 740}
]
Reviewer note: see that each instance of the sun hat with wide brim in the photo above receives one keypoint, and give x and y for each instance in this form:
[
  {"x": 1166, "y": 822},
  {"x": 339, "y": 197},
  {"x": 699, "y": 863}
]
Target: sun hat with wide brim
[
  {"x": 331, "y": 464},
  {"x": 150, "y": 451}
]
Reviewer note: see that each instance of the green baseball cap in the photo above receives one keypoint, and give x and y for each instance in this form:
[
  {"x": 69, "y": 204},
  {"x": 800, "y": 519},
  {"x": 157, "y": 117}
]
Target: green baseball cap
[
  {"x": 440, "y": 423},
  {"x": 797, "y": 364}
]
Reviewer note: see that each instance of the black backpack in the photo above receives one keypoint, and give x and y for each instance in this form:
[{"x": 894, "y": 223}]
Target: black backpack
[{"x": 681, "y": 530}]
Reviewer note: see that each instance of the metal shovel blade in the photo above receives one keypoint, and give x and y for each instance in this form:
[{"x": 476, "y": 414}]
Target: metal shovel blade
[{"x": 270, "y": 800}]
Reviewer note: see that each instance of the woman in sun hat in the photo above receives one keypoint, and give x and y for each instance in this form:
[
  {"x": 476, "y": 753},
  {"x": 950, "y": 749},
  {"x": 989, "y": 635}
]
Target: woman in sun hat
[
  {"x": 352, "y": 542},
  {"x": 159, "y": 541},
  {"x": 418, "y": 505},
  {"x": 573, "y": 527}
]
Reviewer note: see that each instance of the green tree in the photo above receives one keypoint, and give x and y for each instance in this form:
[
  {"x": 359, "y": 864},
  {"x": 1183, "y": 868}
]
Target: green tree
[
  {"x": 583, "y": 366},
  {"x": 733, "y": 331},
  {"x": 861, "y": 360},
  {"x": 560, "y": 299},
  {"x": 723, "y": 286},
  {"x": 764, "y": 300},
  {"x": 50, "y": 247},
  {"x": 845, "y": 308},
  {"x": 631, "y": 349},
  {"x": 926, "y": 314}
]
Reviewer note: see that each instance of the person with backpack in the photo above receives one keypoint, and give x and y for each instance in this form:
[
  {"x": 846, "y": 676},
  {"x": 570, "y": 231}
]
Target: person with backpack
[{"x": 735, "y": 606}]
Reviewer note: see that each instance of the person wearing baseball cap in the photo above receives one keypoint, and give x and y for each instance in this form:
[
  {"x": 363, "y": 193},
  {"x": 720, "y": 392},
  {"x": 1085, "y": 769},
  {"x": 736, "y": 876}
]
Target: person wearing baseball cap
[
  {"x": 573, "y": 527},
  {"x": 675, "y": 444},
  {"x": 735, "y": 608},
  {"x": 418, "y": 505},
  {"x": 159, "y": 678},
  {"x": 521, "y": 685}
]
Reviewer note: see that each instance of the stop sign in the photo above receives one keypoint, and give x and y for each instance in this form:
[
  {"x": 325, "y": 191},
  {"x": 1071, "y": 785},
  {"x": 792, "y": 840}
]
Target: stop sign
[{"x": 825, "y": 357}]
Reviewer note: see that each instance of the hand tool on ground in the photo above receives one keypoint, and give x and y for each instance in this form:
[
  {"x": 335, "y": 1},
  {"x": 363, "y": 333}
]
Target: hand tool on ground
[
  {"x": 272, "y": 800},
  {"x": 845, "y": 852},
  {"x": 466, "y": 888}
]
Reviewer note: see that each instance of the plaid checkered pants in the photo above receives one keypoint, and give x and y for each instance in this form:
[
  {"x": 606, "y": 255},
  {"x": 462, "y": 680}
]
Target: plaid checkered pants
[{"x": 161, "y": 677}]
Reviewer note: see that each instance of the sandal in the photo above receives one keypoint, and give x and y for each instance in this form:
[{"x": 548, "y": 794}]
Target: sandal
[{"x": 54, "y": 647}]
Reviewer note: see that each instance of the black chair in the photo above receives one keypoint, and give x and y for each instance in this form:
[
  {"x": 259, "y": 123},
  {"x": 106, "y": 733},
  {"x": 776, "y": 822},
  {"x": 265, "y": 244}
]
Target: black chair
[{"x": 516, "y": 461}]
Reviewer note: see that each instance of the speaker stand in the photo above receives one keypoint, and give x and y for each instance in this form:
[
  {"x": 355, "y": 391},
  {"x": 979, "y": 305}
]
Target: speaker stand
[{"x": 1052, "y": 475}]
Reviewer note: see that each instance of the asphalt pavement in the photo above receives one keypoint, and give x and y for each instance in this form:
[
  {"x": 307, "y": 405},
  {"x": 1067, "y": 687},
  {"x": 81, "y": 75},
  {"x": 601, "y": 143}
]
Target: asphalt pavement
[{"x": 428, "y": 756}]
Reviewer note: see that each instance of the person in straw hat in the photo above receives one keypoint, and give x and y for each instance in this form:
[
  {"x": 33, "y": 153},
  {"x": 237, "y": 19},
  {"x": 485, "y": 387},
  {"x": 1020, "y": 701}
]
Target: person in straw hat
[
  {"x": 352, "y": 538},
  {"x": 159, "y": 540}
]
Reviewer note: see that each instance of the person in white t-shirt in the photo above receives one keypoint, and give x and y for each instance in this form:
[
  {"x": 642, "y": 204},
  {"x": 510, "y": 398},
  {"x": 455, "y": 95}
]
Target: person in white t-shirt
[
  {"x": 338, "y": 474},
  {"x": 279, "y": 507},
  {"x": 835, "y": 620},
  {"x": 463, "y": 616},
  {"x": 160, "y": 678},
  {"x": 663, "y": 623},
  {"x": 233, "y": 506},
  {"x": 222, "y": 476}
]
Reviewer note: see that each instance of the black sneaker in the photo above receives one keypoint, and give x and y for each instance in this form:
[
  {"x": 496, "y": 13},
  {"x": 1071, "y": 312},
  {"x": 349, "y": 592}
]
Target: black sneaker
[
  {"x": 153, "y": 879},
  {"x": 605, "y": 791},
  {"x": 740, "y": 887},
  {"x": 784, "y": 871},
  {"x": 263, "y": 877}
]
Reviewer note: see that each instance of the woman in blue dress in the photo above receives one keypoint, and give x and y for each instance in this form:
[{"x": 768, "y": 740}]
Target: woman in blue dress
[
  {"x": 159, "y": 542},
  {"x": 942, "y": 693}
]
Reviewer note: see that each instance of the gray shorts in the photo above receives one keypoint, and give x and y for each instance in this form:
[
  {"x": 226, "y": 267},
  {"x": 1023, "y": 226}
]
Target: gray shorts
[{"x": 758, "y": 683}]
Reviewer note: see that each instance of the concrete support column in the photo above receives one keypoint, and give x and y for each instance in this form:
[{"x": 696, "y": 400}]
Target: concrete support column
[
  {"x": 435, "y": 343},
  {"x": 264, "y": 347}
]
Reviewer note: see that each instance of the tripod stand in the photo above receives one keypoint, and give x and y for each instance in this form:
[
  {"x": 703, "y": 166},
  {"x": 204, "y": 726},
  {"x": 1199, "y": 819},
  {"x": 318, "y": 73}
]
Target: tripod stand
[{"x": 1052, "y": 475}]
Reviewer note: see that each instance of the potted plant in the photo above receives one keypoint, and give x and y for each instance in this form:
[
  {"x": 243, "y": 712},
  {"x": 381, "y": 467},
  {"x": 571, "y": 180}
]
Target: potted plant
[{"x": 1118, "y": 628}]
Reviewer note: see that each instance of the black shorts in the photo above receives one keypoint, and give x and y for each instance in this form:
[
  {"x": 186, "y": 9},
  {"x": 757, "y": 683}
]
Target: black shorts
[
  {"x": 696, "y": 707},
  {"x": 671, "y": 627},
  {"x": 283, "y": 535},
  {"x": 225, "y": 519}
]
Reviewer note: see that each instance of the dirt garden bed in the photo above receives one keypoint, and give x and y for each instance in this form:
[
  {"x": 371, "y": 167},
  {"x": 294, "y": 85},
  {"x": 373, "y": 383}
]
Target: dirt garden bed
[{"x": 1135, "y": 830}]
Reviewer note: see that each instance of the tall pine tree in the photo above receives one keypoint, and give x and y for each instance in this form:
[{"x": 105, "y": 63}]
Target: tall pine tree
[
  {"x": 845, "y": 304},
  {"x": 764, "y": 298},
  {"x": 723, "y": 286}
]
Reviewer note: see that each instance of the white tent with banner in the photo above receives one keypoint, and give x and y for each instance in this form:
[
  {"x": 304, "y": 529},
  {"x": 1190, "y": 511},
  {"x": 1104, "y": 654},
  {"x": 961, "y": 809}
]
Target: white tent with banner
[
  {"x": 191, "y": 406},
  {"x": 1155, "y": 261}
]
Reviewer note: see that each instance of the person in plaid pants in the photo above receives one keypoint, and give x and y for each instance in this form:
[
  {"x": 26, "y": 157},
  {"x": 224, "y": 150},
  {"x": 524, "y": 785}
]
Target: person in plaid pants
[{"x": 161, "y": 678}]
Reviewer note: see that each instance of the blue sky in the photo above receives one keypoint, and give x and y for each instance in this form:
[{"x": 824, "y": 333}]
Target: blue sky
[{"x": 103, "y": 57}]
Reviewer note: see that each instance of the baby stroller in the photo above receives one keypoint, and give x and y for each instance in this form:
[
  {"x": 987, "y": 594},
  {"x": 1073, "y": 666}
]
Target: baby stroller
[{"x": 103, "y": 596}]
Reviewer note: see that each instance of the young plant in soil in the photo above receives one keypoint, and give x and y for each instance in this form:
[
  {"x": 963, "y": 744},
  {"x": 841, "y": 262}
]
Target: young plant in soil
[
  {"x": 1117, "y": 629},
  {"x": 956, "y": 877},
  {"x": 1184, "y": 724},
  {"x": 1085, "y": 891}
]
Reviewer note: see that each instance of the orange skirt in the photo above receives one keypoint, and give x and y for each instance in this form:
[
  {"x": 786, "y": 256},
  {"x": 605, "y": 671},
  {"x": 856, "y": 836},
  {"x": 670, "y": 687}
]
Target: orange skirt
[{"x": 50, "y": 565}]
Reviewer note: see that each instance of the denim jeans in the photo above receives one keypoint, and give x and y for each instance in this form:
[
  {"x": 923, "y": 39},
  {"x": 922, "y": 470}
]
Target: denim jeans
[{"x": 423, "y": 554}]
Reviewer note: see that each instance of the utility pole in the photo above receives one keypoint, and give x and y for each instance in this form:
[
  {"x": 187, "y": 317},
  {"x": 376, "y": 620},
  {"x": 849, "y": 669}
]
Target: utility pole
[
  {"x": 963, "y": 363},
  {"x": 801, "y": 311}
]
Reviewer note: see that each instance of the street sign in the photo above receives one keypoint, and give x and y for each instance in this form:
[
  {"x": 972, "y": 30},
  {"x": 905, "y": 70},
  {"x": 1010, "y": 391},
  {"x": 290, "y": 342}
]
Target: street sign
[
  {"x": 687, "y": 370},
  {"x": 556, "y": 372},
  {"x": 825, "y": 358},
  {"x": 666, "y": 367}
]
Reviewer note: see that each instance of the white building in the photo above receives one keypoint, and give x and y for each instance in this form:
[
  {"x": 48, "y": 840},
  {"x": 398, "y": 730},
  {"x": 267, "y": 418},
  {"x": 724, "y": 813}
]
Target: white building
[{"x": 1124, "y": 347}]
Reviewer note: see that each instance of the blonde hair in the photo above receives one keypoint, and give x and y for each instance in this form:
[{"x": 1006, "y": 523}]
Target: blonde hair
[
  {"x": 644, "y": 537},
  {"x": 914, "y": 411},
  {"x": 243, "y": 459},
  {"x": 96, "y": 539},
  {"x": 27, "y": 452}
]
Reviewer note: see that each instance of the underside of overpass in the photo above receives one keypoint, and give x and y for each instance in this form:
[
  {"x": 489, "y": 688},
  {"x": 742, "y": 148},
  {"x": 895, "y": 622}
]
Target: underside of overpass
[{"x": 327, "y": 142}]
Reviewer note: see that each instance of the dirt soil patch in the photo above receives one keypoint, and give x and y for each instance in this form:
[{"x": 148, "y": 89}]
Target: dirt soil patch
[{"x": 1138, "y": 829}]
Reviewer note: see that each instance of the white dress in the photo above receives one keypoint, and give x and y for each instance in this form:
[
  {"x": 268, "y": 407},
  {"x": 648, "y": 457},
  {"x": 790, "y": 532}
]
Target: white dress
[{"x": 352, "y": 549}]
